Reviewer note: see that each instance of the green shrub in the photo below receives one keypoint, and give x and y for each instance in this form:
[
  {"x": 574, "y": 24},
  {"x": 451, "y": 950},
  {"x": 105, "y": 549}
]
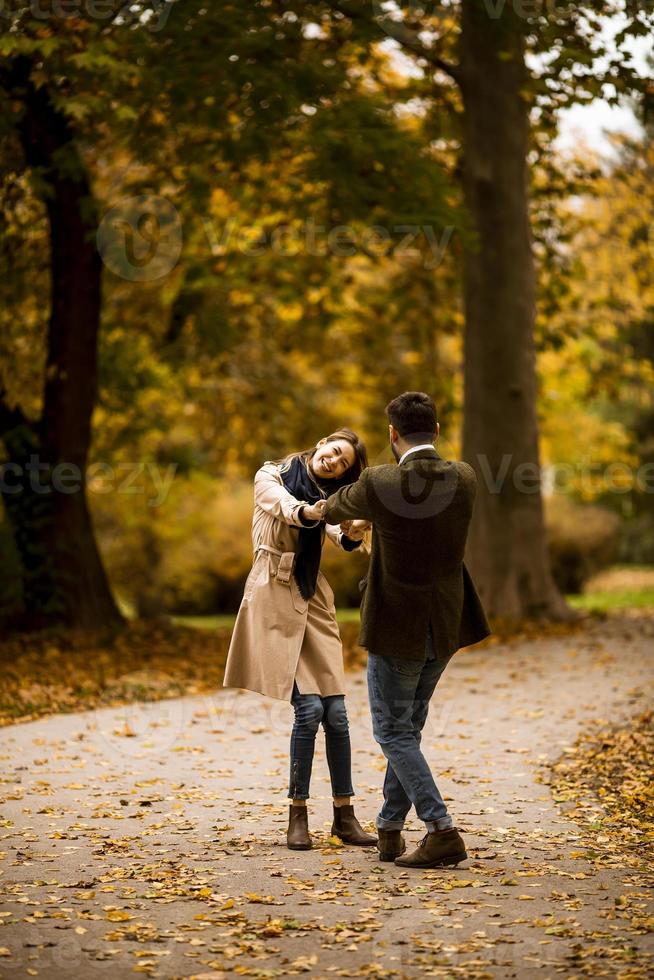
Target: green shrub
[{"x": 637, "y": 541}]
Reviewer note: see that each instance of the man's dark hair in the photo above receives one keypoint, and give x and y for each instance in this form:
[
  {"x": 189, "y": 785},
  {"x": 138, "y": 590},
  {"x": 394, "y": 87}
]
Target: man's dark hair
[{"x": 414, "y": 415}]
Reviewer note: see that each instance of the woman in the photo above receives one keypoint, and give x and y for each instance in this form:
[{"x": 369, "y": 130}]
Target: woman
[{"x": 286, "y": 642}]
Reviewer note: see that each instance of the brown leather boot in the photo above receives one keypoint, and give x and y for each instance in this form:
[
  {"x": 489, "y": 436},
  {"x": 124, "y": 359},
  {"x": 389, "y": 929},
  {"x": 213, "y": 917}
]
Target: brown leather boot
[
  {"x": 297, "y": 835},
  {"x": 347, "y": 827},
  {"x": 390, "y": 845},
  {"x": 436, "y": 850}
]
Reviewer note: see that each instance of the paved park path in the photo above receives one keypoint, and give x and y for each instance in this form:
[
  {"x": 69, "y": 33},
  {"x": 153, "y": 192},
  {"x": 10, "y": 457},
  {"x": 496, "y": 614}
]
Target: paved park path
[{"x": 150, "y": 838}]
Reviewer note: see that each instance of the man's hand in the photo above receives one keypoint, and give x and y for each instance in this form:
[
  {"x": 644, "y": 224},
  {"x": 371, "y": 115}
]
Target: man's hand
[
  {"x": 314, "y": 512},
  {"x": 355, "y": 530}
]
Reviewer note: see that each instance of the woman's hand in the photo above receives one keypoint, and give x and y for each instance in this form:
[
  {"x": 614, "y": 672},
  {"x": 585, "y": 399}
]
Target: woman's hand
[
  {"x": 355, "y": 530},
  {"x": 314, "y": 512}
]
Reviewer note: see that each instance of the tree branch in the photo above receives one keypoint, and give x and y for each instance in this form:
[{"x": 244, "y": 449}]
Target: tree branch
[
  {"x": 451, "y": 70},
  {"x": 415, "y": 46}
]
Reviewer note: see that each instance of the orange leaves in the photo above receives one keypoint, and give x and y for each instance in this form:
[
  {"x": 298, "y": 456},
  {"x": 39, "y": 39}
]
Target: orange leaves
[
  {"x": 118, "y": 915},
  {"x": 75, "y": 671}
]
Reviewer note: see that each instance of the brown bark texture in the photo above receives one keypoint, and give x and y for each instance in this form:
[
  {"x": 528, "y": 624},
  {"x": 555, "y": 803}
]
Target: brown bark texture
[
  {"x": 507, "y": 550},
  {"x": 64, "y": 580}
]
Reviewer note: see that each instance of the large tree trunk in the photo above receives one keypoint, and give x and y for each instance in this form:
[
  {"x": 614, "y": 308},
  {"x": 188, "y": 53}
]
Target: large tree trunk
[
  {"x": 64, "y": 579},
  {"x": 507, "y": 546}
]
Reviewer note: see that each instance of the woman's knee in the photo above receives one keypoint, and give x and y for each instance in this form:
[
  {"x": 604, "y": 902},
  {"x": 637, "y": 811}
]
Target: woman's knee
[
  {"x": 335, "y": 714},
  {"x": 309, "y": 712}
]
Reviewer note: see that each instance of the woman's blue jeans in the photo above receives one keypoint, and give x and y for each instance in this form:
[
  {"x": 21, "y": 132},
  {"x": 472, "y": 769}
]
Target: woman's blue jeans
[{"x": 310, "y": 711}]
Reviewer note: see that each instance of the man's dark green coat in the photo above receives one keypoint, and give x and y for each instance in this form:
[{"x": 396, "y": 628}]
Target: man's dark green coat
[{"x": 420, "y": 512}]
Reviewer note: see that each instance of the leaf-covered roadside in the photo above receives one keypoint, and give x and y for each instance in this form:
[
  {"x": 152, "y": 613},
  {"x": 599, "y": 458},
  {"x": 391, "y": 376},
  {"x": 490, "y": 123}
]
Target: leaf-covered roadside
[
  {"x": 164, "y": 853},
  {"x": 62, "y": 671},
  {"x": 606, "y": 777},
  {"x": 52, "y": 671}
]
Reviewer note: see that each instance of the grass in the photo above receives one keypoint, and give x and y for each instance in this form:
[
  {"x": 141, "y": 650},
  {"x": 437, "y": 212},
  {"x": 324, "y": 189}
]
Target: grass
[
  {"x": 591, "y": 601},
  {"x": 598, "y": 600},
  {"x": 206, "y": 622},
  {"x": 613, "y": 600},
  {"x": 227, "y": 621}
]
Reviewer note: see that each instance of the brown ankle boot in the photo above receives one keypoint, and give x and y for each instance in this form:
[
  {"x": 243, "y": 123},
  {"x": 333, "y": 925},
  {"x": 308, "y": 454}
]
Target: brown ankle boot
[
  {"x": 297, "y": 835},
  {"x": 347, "y": 827},
  {"x": 390, "y": 845},
  {"x": 436, "y": 850}
]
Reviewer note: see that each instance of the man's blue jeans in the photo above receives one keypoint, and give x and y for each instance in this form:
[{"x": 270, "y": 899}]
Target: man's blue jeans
[{"x": 399, "y": 692}]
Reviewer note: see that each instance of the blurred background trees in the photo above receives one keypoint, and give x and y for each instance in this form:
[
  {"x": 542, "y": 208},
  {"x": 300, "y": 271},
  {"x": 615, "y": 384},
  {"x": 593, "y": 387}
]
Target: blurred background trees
[{"x": 298, "y": 179}]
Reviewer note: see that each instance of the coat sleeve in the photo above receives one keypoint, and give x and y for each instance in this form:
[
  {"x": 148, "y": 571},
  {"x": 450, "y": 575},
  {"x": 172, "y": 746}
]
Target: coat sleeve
[
  {"x": 350, "y": 503},
  {"x": 273, "y": 497}
]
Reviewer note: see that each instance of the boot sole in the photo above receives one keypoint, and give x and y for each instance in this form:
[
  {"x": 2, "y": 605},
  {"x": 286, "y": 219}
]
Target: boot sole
[
  {"x": 440, "y": 862},
  {"x": 354, "y": 843},
  {"x": 299, "y": 847},
  {"x": 385, "y": 856}
]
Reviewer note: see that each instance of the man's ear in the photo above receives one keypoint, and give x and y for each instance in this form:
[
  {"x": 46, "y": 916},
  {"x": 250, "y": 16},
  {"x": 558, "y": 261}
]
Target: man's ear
[
  {"x": 438, "y": 429},
  {"x": 394, "y": 435}
]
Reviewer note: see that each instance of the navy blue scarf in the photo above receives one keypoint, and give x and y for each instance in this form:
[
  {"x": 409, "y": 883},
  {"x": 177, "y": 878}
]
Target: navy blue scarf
[{"x": 309, "y": 540}]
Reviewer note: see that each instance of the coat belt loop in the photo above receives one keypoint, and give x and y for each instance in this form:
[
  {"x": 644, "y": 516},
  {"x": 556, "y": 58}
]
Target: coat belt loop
[{"x": 265, "y": 547}]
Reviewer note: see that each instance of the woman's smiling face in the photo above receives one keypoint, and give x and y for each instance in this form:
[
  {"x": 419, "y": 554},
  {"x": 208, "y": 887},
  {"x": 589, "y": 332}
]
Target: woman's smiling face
[{"x": 331, "y": 460}]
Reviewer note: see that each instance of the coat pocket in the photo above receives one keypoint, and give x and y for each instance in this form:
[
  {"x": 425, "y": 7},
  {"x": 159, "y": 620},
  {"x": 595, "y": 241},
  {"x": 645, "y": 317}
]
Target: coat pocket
[
  {"x": 255, "y": 577},
  {"x": 329, "y": 592}
]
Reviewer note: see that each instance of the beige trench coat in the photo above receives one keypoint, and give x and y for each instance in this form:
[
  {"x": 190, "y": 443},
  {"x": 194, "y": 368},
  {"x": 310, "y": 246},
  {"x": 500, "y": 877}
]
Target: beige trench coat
[{"x": 279, "y": 637}]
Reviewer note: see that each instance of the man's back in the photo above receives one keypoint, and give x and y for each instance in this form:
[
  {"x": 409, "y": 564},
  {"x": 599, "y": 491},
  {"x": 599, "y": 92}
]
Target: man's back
[{"x": 421, "y": 512}]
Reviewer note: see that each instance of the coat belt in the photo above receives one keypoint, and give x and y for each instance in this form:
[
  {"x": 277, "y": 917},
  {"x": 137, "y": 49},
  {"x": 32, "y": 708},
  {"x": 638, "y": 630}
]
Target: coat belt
[
  {"x": 266, "y": 547},
  {"x": 286, "y": 563}
]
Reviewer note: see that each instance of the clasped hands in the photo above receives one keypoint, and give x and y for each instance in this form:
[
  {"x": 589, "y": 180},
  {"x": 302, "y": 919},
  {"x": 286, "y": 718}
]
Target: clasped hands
[
  {"x": 353, "y": 529},
  {"x": 315, "y": 512}
]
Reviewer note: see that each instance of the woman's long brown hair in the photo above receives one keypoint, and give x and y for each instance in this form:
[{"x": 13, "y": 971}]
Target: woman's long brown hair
[{"x": 351, "y": 475}]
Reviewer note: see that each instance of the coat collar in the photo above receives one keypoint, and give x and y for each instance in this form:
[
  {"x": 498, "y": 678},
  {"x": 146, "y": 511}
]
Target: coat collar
[{"x": 421, "y": 454}]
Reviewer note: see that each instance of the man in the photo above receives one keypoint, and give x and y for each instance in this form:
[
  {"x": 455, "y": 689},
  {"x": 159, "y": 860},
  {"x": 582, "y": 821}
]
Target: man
[{"x": 419, "y": 607}]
